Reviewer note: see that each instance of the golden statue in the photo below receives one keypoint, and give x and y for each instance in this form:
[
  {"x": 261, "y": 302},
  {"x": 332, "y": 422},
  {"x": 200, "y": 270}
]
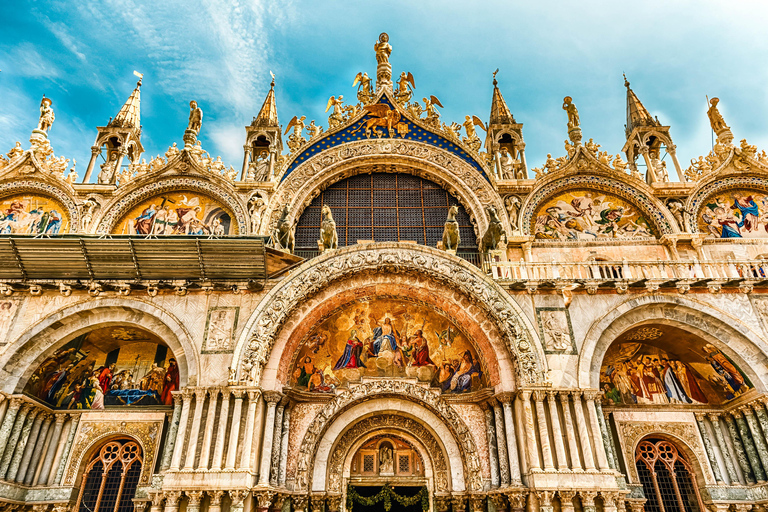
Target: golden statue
[
  {"x": 573, "y": 113},
  {"x": 715, "y": 117},
  {"x": 364, "y": 90},
  {"x": 429, "y": 107},
  {"x": 195, "y": 117},
  {"x": 469, "y": 126},
  {"x": 405, "y": 87},
  {"x": 314, "y": 130},
  {"x": 382, "y": 49},
  {"x": 46, "y": 115},
  {"x": 337, "y": 117},
  {"x": 296, "y": 140}
]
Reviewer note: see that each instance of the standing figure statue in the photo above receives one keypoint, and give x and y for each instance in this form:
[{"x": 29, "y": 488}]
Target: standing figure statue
[
  {"x": 715, "y": 117},
  {"x": 384, "y": 68},
  {"x": 573, "y": 113},
  {"x": 195, "y": 117},
  {"x": 108, "y": 168},
  {"x": 46, "y": 116}
]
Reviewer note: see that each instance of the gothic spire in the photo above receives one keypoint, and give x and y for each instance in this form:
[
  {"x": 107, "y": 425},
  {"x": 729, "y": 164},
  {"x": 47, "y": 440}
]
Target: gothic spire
[
  {"x": 637, "y": 114},
  {"x": 500, "y": 113},
  {"x": 130, "y": 113},
  {"x": 268, "y": 114}
]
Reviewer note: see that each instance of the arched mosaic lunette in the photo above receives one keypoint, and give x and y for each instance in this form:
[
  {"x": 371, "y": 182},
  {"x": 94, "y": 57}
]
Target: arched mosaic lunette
[
  {"x": 40, "y": 187},
  {"x": 697, "y": 200}
]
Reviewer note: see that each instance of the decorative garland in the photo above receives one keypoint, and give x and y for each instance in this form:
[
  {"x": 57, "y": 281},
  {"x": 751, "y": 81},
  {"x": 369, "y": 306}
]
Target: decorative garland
[{"x": 386, "y": 493}]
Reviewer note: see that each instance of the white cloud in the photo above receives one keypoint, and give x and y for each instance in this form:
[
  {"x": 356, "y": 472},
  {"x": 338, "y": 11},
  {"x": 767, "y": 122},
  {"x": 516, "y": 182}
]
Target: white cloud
[
  {"x": 62, "y": 34},
  {"x": 227, "y": 139},
  {"x": 25, "y": 61}
]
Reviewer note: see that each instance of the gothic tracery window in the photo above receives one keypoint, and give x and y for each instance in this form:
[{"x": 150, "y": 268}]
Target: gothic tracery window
[
  {"x": 667, "y": 477},
  {"x": 110, "y": 479}
]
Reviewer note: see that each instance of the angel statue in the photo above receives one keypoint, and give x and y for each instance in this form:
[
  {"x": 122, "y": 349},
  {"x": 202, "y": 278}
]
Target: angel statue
[
  {"x": 296, "y": 140},
  {"x": 364, "y": 90},
  {"x": 337, "y": 117},
  {"x": 472, "y": 140},
  {"x": 573, "y": 113},
  {"x": 314, "y": 130},
  {"x": 433, "y": 116},
  {"x": 46, "y": 115},
  {"x": 405, "y": 87}
]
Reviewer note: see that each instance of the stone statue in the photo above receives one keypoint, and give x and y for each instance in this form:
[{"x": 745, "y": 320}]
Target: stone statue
[
  {"x": 512, "y": 203},
  {"x": 89, "y": 207},
  {"x": 572, "y": 111},
  {"x": 451, "y": 236},
  {"x": 715, "y": 117},
  {"x": 282, "y": 236},
  {"x": 15, "y": 151},
  {"x": 386, "y": 461},
  {"x": 677, "y": 209},
  {"x": 107, "y": 174},
  {"x": 261, "y": 169},
  {"x": 493, "y": 234},
  {"x": 256, "y": 208},
  {"x": 329, "y": 239},
  {"x": 195, "y": 118},
  {"x": 46, "y": 116},
  {"x": 508, "y": 164}
]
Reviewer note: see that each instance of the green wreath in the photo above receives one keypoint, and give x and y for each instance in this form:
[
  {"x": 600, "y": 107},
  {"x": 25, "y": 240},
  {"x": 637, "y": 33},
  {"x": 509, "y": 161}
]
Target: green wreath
[{"x": 386, "y": 494}]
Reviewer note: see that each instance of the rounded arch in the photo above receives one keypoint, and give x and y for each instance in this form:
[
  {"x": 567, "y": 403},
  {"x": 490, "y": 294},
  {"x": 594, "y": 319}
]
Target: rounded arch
[
  {"x": 256, "y": 342},
  {"x": 63, "y": 194},
  {"x": 113, "y": 212},
  {"x": 361, "y": 157},
  {"x": 60, "y": 327},
  {"x": 399, "y": 397},
  {"x": 716, "y": 183},
  {"x": 96, "y": 444},
  {"x": 636, "y": 193},
  {"x": 745, "y": 346}
]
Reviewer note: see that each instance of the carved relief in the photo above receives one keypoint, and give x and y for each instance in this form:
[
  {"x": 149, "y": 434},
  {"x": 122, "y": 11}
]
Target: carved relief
[{"x": 556, "y": 330}]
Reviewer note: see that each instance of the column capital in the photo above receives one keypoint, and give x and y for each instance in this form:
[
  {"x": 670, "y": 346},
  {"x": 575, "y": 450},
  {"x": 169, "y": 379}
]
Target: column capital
[
  {"x": 177, "y": 398},
  {"x": 524, "y": 394},
  {"x": 299, "y": 501},
  {"x": 576, "y": 394},
  {"x": 61, "y": 418},
  {"x": 254, "y": 394},
  {"x": 539, "y": 395},
  {"x": 156, "y": 498},
  {"x": 591, "y": 394},
  {"x": 506, "y": 396},
  {"x": 545, "y": 497},
  {"x": 200, "y": 393},
  {"x": 566, "y": 495},
  {"x": 239, "y": 394},
  {"x": 215, "y": 496},
  {"x": 588, "y": 497},
  {"x": 700, "y": 416},
  {"x": 172, "y": 498},
  {"x": 563, "y": 396},
  {"x": 194, "y": 497},
  {"x": 713, "y": 417},
  {"x": 238, "y": 496},
  {"x": 737, "y": 413},
  {"x": 187, "y": 393},
  {"x": 272, "y": 397},
  {"x": 263, "y": 498}
]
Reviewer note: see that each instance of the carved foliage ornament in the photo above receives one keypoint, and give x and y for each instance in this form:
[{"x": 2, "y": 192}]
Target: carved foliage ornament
[
  {"x": 379, "y": 389},
  {"x": 375, "y": 423},
  {"x": 308, "y": 280}
]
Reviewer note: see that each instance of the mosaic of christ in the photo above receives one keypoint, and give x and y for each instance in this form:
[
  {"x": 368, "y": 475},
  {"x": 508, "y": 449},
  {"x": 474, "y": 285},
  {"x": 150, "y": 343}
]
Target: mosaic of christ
[
  {"x": 660, "y": 364},
  {"x": 27, "y": 214},
  {"x": 589, "y": 215},
  {"x": 387, "y": 337},
  {"x": 735, "y": 214},
  {"x": 178, "y": 213}
]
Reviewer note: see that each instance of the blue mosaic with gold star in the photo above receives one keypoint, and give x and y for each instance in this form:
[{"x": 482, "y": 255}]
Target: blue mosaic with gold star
[{"x": 354, "y": 132}]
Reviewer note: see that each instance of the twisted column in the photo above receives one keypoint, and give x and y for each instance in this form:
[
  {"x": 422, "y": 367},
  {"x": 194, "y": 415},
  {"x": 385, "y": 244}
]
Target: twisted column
[
  {"x": 581, "y": 426},
  {"x": 562, "y": 461},
  {"x": 284, "y": 445},
  {"x": 194, "y": 433},
  {"x": 205, "y": 451},
  {"x": 173, "y": 427},
  {"x": 509, "y": 425},
  {"x": 493, "y": 452},
  {"x": 218, "y": 451},
  {"x": 714, "y": 420},
  {"x": 605, "y": 429},
  {"x": 708, "y": 447},
  {"x": 570, "y": 429},
  {"x": 234, "y": 430},
  {"x": 52, "y": 446},
  {"x": 530, "y": 430},
  {"x": 186, "y": 397},
  {"x": 749, "y": 445},
  {"x": 272, "y": 398},
  {"x": 250, "y": 419},
  {"x": 597, "y": 434},
  {"x": 739, "y": 448},
  {"x": 276, "y": 445},
  {"x": 501, "y": 444},
  {"x": 541, "y": 419}
]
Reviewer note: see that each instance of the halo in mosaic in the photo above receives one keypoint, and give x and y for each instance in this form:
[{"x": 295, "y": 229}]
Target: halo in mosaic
[
  {"x": 43, "y": 191},
  {"x": 705, "y": 203}
]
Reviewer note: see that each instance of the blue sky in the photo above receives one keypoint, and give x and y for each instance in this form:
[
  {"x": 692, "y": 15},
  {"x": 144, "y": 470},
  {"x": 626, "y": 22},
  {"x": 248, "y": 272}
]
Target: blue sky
[{"x": 82, "y": 55}]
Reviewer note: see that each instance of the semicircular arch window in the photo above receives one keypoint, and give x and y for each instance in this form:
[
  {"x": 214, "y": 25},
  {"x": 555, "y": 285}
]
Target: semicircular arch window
[
  {"x": 384, "y": 207},
  {"x": 111, "y": 477}
]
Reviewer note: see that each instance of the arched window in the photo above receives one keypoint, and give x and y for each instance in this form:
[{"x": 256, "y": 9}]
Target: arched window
[
  {"x": 667, "y": 478},
  {"x": 110, "y": 479},
  {"x": 385, "y": 207}
]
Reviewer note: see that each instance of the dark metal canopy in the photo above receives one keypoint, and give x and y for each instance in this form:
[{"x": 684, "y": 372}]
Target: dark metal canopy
[{"x": 127, "y": 257}]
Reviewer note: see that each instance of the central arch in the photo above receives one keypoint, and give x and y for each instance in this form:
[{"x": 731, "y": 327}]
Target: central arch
[{"x": 255, "y": 346}]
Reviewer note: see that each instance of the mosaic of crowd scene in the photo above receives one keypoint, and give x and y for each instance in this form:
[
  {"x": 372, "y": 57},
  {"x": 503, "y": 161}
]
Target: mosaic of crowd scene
[
  {"x": 32, "y": 215},
  {"x": 177, "y": 213},
  {"x": 735, "y": 214}
]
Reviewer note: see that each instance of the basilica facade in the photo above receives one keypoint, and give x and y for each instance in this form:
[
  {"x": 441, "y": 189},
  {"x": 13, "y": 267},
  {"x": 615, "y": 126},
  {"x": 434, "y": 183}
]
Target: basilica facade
[{"x": 393, "y": 310}]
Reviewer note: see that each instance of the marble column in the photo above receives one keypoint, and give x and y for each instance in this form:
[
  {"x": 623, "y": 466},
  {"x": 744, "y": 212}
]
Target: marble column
[
  {"x": 214, "y": 505},
  {"x": 588, "y": 501},
  {"x": 749, "y": 446},
  {"x": 570, "y": 430},
  {"x": 501, "y": 444},
  {"x": 581, "y": 427},
  {"x": 272, "y": 398},
  {"x": 172, "y": 498},
  {"x": 557, "y": 433},
  {"x": 284, "y": 445},
  {"x": 181, "y": 433},
  {"x": 173, "y": 428},
  {"x": 218, "y": 450},
  {"x": 33, "y": 423},
  {"x": 8, "y": 421},
  {"x": 566, "y": 500},
  {"x": 194, "y": 498},
  {"x": 714, "y": 420},
  {"x": 541, "y": 419},
  {"x": 605, "y": 430},
  {"x": 597, "y": 434},
  {"x": 276, "y": 445},
  {"x": 37, "y": 452},
  {"x": 60, "y": 460},
  {"x": 493, "y": 452},
  {"x": 708, "y": 447},
  {"x": 530, "y": 430},
  {"x": 762, "y": 416},
  {"x": 4, "y": 400},
  {"x": 194, "y": 432},
  {"x": 509, "y": 425},
  {"x": 741, "y": 455},
  {"x": 234, "y": 430},
  {"x": 210, "y": 418},
  {"x": 13, "y": 439},
  {"x": 545, "y": 500},
  {"x": 52, "y": 446},
  {"x": 757, "y": 436},
  {"x": 250, "y": 419}
]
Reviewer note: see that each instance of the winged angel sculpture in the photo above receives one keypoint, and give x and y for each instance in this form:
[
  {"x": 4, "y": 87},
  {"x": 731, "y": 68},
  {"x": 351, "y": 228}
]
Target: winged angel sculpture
[
  {"x": 296, "y": 140},
  {"x": 405, "y": 87}
]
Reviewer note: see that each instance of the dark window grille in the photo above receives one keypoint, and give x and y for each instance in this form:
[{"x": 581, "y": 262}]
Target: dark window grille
[
  {"x": 667, "y": 478},
  {"x": 384, "y": 207},
  {"x": 110, "y": 479}
]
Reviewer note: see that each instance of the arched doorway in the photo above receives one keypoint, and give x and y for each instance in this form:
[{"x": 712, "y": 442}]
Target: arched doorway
[
  {"x": 110, "y": 478},
  {"x": 667, "y": 477}
]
